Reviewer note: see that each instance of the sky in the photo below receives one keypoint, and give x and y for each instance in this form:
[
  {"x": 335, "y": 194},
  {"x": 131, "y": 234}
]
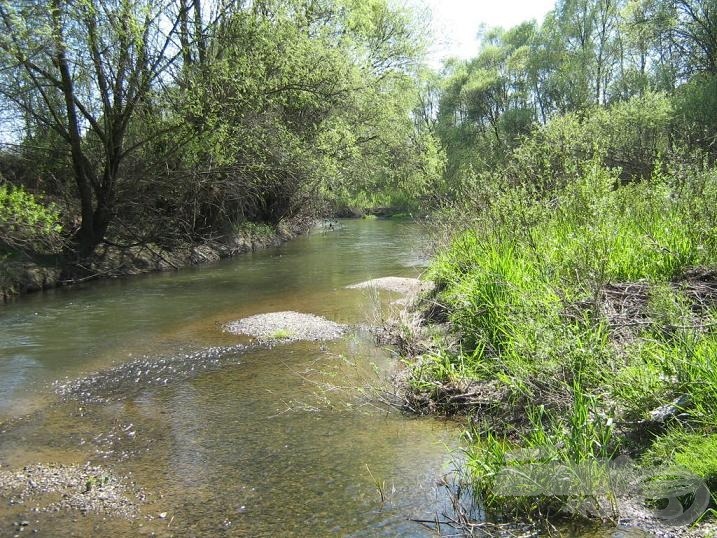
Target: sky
[{"x": 456, "y": 22}]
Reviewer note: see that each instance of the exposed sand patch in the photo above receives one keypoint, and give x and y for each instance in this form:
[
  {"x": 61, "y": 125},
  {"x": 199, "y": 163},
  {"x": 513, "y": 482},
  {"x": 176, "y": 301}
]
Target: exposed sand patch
[
  {"x": 287, "y": 327},
  {"x": 396, "y": 284}
]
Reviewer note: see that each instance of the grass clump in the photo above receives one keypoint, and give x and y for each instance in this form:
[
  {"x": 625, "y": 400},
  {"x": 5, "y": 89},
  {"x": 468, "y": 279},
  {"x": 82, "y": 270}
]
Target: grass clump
[
  {"x": 282, "y": 334},
  {"x": 690, "y": 450},
  {"x": 254, "y": 230},
  {"x": 556, "y": 462}
]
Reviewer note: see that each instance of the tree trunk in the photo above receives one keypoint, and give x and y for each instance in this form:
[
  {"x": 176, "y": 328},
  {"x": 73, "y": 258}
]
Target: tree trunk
[{"x": 85, "y": 237}]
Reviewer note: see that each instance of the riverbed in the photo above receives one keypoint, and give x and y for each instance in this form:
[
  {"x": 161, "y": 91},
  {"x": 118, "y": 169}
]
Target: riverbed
[{"x": 210, "y": 433}]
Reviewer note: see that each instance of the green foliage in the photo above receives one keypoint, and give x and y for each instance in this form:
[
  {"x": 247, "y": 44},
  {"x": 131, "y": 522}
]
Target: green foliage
[
  {"x": 696, "y": 113},
  {"x": 587, "y": 55},
  {"x": 444, "y": 368},
  {"x": 590, "y": 232},
  {"x": 696, "y": 452},
  {"x": 332, "y": 122},
  {"x": 579, "y": 158},
  {"x": 679, "y": 369},
  {"x": 485, "y": 106},
  {"x": 96, "y": 482},
  {"x": 265, "y": 111},
  {"x": 524, "y": 290},
  {"x": 254, "y": 230},
  {"x": 282, "y": 334},
  {"x": 578, "y": 444},
  {"x": 26, "y": 224},
  {"x": 629, "y": 136}
]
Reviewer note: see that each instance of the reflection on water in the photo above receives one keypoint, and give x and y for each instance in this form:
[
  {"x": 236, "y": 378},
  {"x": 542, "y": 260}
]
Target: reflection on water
[
  {"x": 15, "y": 374},
  {"x": 75, "y": 331},
  {"x": 267, "y": 442}
]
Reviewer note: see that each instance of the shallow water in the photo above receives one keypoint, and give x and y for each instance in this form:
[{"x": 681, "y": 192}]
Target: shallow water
[{"x": 257, "y": 441}]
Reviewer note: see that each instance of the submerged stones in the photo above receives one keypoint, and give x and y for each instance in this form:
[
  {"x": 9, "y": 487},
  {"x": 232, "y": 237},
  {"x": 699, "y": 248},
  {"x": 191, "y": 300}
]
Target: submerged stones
[
  {"x": 125, "y": 380},
  {"x": 287, "y": 327}
]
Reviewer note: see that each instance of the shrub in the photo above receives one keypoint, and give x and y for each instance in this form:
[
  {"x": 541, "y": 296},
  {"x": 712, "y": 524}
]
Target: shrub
[
  {"x": 26, "y": 224},
  {"x": 695, "y": 118},
  {"x": 628, "y": 137}
]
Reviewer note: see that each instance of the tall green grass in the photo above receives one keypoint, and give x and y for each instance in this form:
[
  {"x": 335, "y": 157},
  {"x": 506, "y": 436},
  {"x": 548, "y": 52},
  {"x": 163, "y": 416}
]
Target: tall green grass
[{"x": 522, "y": 289}]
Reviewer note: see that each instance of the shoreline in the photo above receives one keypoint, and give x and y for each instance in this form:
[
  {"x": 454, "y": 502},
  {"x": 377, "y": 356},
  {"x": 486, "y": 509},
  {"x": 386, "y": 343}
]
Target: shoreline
[
  {"x": 18, "y": 278},
  {"x": 112, "y": 262},
  {"x": 424, "y": 337}
]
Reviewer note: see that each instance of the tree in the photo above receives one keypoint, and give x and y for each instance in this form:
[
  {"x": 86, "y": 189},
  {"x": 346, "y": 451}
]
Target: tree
[
  {"x": 695, "y": 34},
  {"x": 93, "y": 66},
  {"x": 300, "y": 100}
]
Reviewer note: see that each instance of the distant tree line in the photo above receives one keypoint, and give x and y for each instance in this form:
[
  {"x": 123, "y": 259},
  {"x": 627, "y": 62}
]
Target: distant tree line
[
  {"x": 587, "y": 56},
  {"x": 174, "y": 121}
]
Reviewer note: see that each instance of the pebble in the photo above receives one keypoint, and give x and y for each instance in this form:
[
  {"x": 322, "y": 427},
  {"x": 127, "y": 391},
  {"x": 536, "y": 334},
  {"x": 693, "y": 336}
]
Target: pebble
[
  {"x": 107, "y": 493},
  {"x": 290, "y": 326}
]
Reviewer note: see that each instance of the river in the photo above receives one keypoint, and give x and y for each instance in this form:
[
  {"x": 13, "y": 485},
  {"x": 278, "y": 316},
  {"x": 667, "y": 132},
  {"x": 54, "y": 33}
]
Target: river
[{"x": 287, "y": 440}]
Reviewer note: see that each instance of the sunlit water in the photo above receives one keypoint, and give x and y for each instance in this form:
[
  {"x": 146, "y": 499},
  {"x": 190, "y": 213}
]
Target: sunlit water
[{"x": 264, "y": 442}]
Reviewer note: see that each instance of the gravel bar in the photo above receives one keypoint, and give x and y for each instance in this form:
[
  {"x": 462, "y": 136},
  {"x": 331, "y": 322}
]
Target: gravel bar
[
  {"x": 394, "y": 283},
  {"x": 287, "y": 327}
]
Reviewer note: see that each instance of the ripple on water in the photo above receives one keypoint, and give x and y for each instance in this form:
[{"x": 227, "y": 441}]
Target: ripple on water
[{"x": 126, "y": 380}]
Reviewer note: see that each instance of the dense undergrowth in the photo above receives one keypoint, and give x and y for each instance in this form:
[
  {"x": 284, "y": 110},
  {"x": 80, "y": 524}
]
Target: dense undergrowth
[{"x": 583, "y": 314}]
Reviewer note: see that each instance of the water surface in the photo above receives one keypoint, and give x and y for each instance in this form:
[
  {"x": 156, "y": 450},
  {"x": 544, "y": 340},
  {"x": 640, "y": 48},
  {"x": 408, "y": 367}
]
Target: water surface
[{"x": 262, "y": 442}]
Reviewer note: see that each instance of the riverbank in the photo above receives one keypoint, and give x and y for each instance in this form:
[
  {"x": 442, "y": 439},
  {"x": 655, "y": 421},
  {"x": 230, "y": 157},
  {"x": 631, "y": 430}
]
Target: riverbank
[
  {"x": 560, "y": 454},
  {"x": 576, "y": 334},
  {"x": 18, "y": 277}
]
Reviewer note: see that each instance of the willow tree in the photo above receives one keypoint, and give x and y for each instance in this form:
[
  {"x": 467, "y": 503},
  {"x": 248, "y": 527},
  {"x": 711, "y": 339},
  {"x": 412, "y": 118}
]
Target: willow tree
[
  {"x": 298, "y": 101},
  {"x": 85, "y": 69}
]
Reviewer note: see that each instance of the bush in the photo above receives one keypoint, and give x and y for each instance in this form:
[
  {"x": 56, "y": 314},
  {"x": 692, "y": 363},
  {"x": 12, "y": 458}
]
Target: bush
[
  {"x": 629, "y": 137},
  {"x": 695, "y": 118},
  {"x": 25, "y": 224}
]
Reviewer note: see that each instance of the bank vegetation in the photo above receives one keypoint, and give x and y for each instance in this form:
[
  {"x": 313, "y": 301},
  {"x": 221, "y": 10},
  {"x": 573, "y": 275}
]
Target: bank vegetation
[
  {"x": 174, "y": 123},
  {"x": 574, "y": 315}
]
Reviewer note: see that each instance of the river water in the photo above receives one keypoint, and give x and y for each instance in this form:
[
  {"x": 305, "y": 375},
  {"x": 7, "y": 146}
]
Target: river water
[{"x": 259, "y": 441}]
